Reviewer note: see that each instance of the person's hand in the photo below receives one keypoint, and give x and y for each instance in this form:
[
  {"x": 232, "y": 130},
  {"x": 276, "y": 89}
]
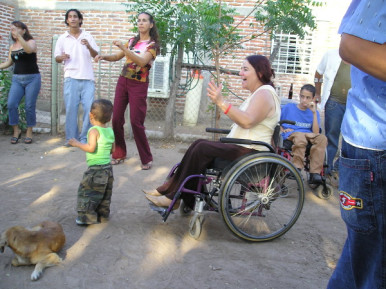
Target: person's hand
[
  {"x": 312, "y": 106},
  {"x": 99, "y": 57},
  {"x": 214, "y": 93},
  {"x": 118, "y": 44},
  {"x": 318, "y": 99},
  {"x": 73, "y": 142},
  {"x": 85, "y": 42},
  {"x": 65, "y": 56},
  {"x": 286, "y": 129}
]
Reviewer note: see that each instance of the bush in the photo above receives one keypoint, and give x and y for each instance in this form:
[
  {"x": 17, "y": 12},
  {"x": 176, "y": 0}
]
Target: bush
[{"x": 5, "y": 85}]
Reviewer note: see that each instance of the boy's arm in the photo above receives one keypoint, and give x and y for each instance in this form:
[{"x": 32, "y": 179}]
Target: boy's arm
[
  {"x": 91, "y": 144},
  {"x": 113, "y": 147},
  {"x": 315, "y": 123}
]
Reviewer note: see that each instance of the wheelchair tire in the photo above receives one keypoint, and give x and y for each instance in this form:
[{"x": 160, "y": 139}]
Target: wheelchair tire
[
  {"x": 261, "y": 197},
  {"x": 324, "y": 193},
  {"x": 195, "y": 226}
]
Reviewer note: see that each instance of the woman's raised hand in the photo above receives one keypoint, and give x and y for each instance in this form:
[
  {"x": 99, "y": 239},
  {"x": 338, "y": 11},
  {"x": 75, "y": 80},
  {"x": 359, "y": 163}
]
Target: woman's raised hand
[
  {"x": 214, "y": 92},
  {"x": 98, "y": 57},
  {"x": 118, "y": 44}
]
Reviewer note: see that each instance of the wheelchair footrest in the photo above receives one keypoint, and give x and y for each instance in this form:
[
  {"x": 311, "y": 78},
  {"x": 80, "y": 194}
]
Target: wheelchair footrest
[{"x": 161, "y": 210}]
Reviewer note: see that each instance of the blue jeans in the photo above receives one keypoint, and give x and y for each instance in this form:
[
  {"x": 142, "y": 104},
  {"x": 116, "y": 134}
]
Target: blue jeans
[
  {"x": 76, "y": 91},
  {"x": 27, "y": 85},
  {"x": 363, "y": 208},
  {"x": 334, "y": 112}
]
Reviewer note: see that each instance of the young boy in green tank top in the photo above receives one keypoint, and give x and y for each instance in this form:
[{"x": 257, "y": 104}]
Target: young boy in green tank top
[{"x": 95, "y": 189}]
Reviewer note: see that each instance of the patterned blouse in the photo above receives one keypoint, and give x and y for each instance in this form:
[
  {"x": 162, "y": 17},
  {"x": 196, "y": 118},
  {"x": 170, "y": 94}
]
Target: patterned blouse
[{"x": 131, "y": 70}]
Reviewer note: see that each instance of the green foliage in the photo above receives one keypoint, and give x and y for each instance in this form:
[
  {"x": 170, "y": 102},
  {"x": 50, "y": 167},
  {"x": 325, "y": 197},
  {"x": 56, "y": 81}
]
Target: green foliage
[
  {"x": 5, "y": 85},
  {"x": 194, "y": 24},
  {"x": 288, "y": 16}
]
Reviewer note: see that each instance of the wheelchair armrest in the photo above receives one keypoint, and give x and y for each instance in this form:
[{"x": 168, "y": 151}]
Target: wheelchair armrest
[
  {"x": 287, "y": 122},
  {"x": 246, "y": 142},
  {"x": 217, "y": 130}
]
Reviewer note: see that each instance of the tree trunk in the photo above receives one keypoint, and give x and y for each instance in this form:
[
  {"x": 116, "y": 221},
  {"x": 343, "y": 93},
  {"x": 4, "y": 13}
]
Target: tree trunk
[
  {"x": 169, "y": 119},
  {"x": 275, "y": 50}
]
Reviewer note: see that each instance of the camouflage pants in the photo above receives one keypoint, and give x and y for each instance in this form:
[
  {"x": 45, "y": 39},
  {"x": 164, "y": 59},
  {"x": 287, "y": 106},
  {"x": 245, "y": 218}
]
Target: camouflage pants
[{"x": 94, "y": 194}]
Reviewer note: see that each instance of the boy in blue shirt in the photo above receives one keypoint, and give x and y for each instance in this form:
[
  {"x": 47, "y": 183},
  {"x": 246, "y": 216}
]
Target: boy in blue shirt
[
  {"x": 306, "y": 129},
  {"x": 95, "y": 189}
]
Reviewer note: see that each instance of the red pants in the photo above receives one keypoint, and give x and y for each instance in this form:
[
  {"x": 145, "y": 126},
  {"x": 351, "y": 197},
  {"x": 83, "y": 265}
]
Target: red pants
[
  {"x": 197, "y": 158},
  {"x": 135, "y": 93}
]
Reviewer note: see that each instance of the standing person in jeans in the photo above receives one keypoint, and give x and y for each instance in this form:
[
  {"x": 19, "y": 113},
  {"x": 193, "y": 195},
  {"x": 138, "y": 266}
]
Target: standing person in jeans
[
  {"x": 335, "y": 76},
  {"x": 362, "y": 165},
  {"x": 76, "y": 48},
  {"x": 26, "y": 79},
  {"x": 140, "y": 52}
]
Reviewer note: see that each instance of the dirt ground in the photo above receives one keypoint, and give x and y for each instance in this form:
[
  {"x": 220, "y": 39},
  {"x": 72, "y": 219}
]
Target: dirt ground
[{"x": 135, "y": 249}]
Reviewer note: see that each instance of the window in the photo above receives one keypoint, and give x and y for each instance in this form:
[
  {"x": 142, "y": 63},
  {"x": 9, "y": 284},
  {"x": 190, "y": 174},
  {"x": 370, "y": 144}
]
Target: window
[{"x": 292, "y": 54}]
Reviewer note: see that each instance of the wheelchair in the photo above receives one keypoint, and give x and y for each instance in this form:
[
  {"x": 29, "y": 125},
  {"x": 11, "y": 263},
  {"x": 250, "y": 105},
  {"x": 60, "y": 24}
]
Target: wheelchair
[
  {"x": 322, "y": 190},
  {"x": 254, "y": 195}
]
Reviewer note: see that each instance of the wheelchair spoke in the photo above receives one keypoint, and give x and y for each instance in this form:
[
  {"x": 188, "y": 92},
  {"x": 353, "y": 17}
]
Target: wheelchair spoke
[{"x": 258, "y": 202}]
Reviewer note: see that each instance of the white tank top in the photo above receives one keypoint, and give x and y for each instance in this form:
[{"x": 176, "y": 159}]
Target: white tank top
[{"x": 263, "y": 131}]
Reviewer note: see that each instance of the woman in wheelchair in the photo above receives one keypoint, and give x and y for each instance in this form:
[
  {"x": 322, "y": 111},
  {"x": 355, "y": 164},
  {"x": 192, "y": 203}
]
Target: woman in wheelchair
[
  {"x": 305, "y": 130},
  {"x": 255, "y": 119}
]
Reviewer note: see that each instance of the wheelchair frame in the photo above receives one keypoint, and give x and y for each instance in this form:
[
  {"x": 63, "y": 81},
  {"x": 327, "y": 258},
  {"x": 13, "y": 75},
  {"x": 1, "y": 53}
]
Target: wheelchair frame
[{"x": 255, "y": 196}]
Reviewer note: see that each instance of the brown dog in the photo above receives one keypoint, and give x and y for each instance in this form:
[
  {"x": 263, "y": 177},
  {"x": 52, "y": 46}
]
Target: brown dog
[{"x": 35, "y": 246}]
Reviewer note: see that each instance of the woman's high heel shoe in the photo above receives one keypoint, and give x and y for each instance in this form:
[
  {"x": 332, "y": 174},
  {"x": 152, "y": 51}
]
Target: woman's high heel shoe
[
  {"x": 152, "y": 193},
  {"x": 162, "y": 201}
]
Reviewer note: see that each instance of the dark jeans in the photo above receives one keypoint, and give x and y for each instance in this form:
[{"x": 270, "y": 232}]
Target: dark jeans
[
  {"x": 363, "y": 208},
  {"x": 334, "y": 112}
]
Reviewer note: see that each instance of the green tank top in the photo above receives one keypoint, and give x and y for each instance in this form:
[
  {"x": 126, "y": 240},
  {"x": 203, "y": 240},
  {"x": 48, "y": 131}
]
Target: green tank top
[{"x": 101, "y": 156}]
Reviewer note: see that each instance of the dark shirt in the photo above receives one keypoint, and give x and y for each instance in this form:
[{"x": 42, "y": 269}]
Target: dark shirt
[{"x": 24, "y": 63}]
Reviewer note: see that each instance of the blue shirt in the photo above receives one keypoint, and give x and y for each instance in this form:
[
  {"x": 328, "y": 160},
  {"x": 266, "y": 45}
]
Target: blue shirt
[
  {"x": 303, "y": 119},
  {"x": 364, "y": 123}
]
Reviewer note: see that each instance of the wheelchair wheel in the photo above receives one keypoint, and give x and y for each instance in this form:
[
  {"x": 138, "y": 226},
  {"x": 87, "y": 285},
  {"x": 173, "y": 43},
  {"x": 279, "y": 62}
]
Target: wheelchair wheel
[
  {"x": 324, "y": 192},
  {"x": 261, "y": 197},
  {"x": 195, "y": 226}
]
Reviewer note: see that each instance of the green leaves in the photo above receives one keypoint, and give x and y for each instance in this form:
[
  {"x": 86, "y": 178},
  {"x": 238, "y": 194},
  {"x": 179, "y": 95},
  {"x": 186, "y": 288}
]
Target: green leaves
[
  {"x": 5, "y": 85},
  {"x": 288, "y": 16},
  {"x": 196, "y": 25}
]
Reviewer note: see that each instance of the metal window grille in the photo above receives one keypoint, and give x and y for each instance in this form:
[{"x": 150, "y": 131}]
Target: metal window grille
[{"x": 293, "y": 54}]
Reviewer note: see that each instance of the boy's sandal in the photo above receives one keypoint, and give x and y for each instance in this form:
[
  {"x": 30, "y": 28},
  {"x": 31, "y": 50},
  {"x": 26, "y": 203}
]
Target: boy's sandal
[
  {"x": 28, "y": 140},
  {"x": 117, "y": 161},
  {"x": 147, "y": 166}
]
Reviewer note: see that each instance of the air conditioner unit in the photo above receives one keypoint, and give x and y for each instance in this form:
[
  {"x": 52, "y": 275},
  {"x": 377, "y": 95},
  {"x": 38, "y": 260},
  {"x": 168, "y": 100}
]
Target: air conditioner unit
[{"x": 159, "y": 78}]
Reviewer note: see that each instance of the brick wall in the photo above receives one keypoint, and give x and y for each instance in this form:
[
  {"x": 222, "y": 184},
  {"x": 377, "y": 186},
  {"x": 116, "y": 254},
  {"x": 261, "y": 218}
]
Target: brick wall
[
  {"x": 108, "y": 23},
  {"x": 103, "y": 26},
  {"x": 6, "y": 16}
]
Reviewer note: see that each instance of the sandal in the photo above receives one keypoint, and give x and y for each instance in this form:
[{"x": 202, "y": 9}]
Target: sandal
[
  {"x": 27, "y": 140},
  {"x": 147, "y": 166},
  {"x": 117, "y": 161},
  {"x": 15, "y": 140}
]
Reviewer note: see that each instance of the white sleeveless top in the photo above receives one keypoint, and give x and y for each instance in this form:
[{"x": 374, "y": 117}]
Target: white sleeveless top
[{"x": 263, "y": 131}]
